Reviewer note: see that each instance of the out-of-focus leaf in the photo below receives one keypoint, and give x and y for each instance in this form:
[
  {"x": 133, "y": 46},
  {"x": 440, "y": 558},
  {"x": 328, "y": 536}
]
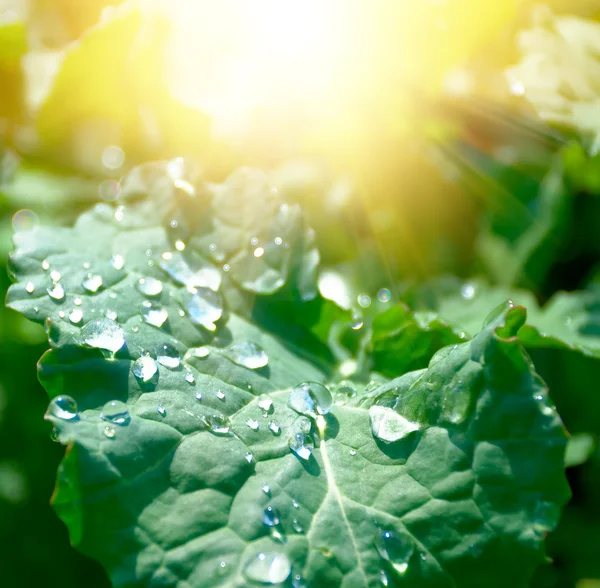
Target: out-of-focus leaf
[
  {"x": 13, "y": 45},
  {"x": 559, "y": 71}
]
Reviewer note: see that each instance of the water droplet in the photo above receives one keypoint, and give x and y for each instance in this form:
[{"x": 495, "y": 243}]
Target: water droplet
[
  {"x": 154, "y": 314},
  {"x": 383, "y": 579},
  {"x": 111, "y": 314},
  {"x": 259, "y": 252},
  {"x": 29, "y": 287},
  {"x": 384, "y": 295},
  {"x": 364, "y": 301},
  {"x": 55, "y": 276},
  {"x": 265, "y": 403},
  {"x": 77, "y": 302},
  {"x": 63, "y": 407},
  {"x": 304, "y": 425},
  {"x": 344, "y": 390},
  {"x": 226, "y": 267},
  {"x": 468, "y": 291},
  {"x": 189, "y": 378},
  {"x": 168, "y": 356},
  {"x": 297, "y": 526},
  {"x": 389, "y": 426},
  {"x": 219, "y": 424},
  {"x": 311, "y": 398},
  {"x": 357, "y": 322},
  {"x": 278, "y": 240},
  {"x": 179, "y": 245},
  {"x": 302, "y": 445},
  {"x": 87, "y": 265},
  {"x": 76, "y": 316},
  {"x": 266, "y": 489},
  {"x": 271, "y": 517},
  {"x": 274, "y": 428},
  {"x": 397, "y": 548},
  {"x": 117, "y": 261},
  {"x": 144, "y": 368},
  {"x": 103, "y": 333},
  {"x": 268, "y": 568},
  {"x": 61, "y": 314},
  {"x": 212, "y": 247},
  {"x": 198, "y": 396},
  {"x": 298, "y": 581},
  {"x": 249, "y": 355},
  {"x": 161, "y": 410},
  {"x": 56, "y": 292},
  {"x": 45, "y": 265},
  {"x": 249, "y": 457},
  {"x": 201, "y": 352},
  {"x": 116, "y": 412},
  {"x": 149, "y": 286},
  {"x": 295, "y": 503},
  {"x": 220, "y": 395},
  {"x": 253, "y": 424},
  {"x": 92, "y": 283},
  {"x": 204, "y": 307},
  {"x": 110, "y": 432}
]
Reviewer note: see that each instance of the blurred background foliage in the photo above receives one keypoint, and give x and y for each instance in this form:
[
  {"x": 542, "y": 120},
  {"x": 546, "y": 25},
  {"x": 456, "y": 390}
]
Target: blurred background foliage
[{"x": 423, "y": 139}]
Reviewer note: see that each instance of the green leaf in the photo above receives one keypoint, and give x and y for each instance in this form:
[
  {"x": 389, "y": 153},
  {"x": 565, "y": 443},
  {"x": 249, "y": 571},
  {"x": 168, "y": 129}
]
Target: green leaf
[
  {"x": 192, "y": 484},
  {"x": 569, "y": 320}
]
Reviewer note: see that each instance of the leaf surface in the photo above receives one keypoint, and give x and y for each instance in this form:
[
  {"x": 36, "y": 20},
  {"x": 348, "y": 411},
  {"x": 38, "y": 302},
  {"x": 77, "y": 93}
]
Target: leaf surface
[{"x": 198, "y": 481}]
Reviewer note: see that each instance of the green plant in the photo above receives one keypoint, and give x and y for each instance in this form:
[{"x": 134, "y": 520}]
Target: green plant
[{"x": 212, "y": 438}]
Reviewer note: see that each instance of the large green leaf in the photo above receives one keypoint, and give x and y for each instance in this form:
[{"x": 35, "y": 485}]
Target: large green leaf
[{"x": 436, "y": 479}]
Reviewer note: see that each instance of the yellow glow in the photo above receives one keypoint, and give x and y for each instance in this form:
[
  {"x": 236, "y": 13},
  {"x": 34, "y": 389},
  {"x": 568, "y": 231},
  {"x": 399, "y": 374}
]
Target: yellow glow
[{"x": 232, "y": 57}]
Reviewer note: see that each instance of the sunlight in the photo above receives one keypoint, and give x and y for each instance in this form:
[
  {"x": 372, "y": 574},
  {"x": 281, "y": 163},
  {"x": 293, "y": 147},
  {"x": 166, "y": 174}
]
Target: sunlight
[{"x": 252, "y": 55}]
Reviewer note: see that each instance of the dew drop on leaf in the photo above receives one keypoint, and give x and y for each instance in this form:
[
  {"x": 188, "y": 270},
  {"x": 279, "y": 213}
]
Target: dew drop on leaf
[
  {"x": 77, "y": 301},
  {"x": 201, "y": 352},
  {"x": 103, "y": 333},
  {"x": 266, "y": 489},
  {"x": 63, "y": 407},
  {"x": 389, "y": 426},
  {"x": 271, "y": 517},
  {"x": 117, "y": 261},
  {"x": 115, "y": 411},
  {"x": 168, "y": 356},
  {"x": 56, "y": 291},
  {"x": 189, "y": 378},
  {"x": 364, "y": 300},
  {"x": 219, "y": 424},
  {"x": 220, "y": 395},
  {"x": 265, "y": 403},
  {"x": 397, "y": 548},
  {"x": 109, "y": 432},
  {"x": 274, "y": 428},
  {"x": 55, "y": 276},
  {"x": 249, "y": 355},
  {"x": 76, "y": 316},
  {"x": 302, "y": 445},
  {"x": 149, "y": 286},
  {"x": 45, "y": 265},
  {"x": 249, "y": 457},
  {"x": 204, "y": 308},
  {"x": 268, "y": 568},
  {"x": 92, "y": 283},
  {"x": 297, "y": 526},
  {"x": 311, "y": 398},
  {"x": 344, "y": 390},
  {"x": 154, "y": 314},
  {"x": 144, "y": 368},
  {"x": 161, "y": 410},
  {"x": 253, "y": 424},
  {"x": 468, "y": 291},
  {"x": 29, "y": 287},
  {"x": 198, "y": 396}
]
